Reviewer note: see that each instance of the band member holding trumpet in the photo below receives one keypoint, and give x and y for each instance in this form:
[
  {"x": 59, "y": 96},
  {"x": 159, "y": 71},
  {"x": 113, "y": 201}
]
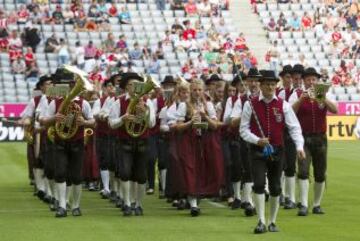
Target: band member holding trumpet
[
  {"x": 262, "y": 124},
  {"x": 133, "y": 114},
  {"x": 311, "y": 106},
  {"x": 69, "y": 115},
  {"x": 33, "y": 134}
]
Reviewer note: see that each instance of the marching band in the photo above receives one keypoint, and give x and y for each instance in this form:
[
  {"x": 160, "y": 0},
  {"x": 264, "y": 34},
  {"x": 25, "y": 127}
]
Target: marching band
[{"x": 239, "y": 140}]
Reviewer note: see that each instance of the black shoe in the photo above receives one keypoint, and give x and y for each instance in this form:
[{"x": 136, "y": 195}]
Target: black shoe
[
  {"x": 267, "y": 195},
  {"x": 127, "y": 211},
  {"x": 289, "y": 204},
  {"x": 272, "y": 228},
  {"x": 260, "y": 228},
  {"x": 195, "y": 211},
  {"x": 139, "y": 211},
  {"x": 249, "y": 210},
  {"x": 61, "y": 213},
  {"x": 236, "y": 204},
  {"x": 52, "y": 205},
  {"x": 76, "y": 212},
  {"x": 119, "y": 203},
  {"x": 112, "y": 196},
  {"x": 282, "y": 200},
  {"x": 303, "y": 211},
  {"x": 47, "y": 199},
  {"x": 175, "y": 203},
  {"x": 150, "y": 191},
  {"x": 317, "y": 210},
  {"x": 105, "y": 194},
  {"x": 56, "y": 205},
  {"x": 92, "y": 187},
  {"x": 181, "y": 205},
  {"x": 133, "y": 205},
  {"x": 41, "y": 194}
]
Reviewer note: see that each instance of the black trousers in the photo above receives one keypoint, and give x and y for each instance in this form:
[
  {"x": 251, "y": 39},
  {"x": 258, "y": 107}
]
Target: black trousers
[
  {"x": 262, "y": 167},
  {"x": 316, "y": 153},
  {"x": 289, "y": 156},
  {"x": 133, "y": 163},
  {"x": 69, "y": 159},
  {"x": 153, "y": 154},
  {"x": 227, "y": 167},
  {"x": 164, "y": 155},
  {"x": 103, "y": 152},
  {"x": 49, "y": 164},
  {"x": 245, "y": 162}
]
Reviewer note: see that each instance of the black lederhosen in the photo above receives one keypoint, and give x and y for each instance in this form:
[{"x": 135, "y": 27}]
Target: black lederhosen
[
  {"x": 289, "y": 155},
  {"x": 153, "y": 154},
  {"x": 245, "y": 162},
  {"x": 316, "y": 153},
  {"x": 49, "y": 167},
  {"x": 103, "y": 152}
]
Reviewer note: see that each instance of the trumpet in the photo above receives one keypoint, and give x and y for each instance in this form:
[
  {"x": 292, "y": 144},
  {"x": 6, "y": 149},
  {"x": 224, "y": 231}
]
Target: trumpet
[
  {"x": 318, "y": 92},
  {"x": 88, "y": 132}
]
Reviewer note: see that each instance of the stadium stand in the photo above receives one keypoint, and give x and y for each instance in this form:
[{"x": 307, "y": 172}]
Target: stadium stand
[{"x": 324, "y": 34}]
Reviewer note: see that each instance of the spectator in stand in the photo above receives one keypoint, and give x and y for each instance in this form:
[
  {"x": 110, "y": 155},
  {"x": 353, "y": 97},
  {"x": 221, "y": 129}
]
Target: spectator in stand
[
  {"x": 15, "y": 46},
  {"x": 68, "y": 15},
  {"x": 90, "y": 51},
  {"x": 200, "y": 64},
  {"x": 306, "y": 22},
  {"x": 154, "y": 65},
  {"x": 112, "y": 11},
  {"x": 18, "y": 66},
  {"x": 191, "y": 45},
  {"x": 159, "y": 51},
  {"x": 240, "y": 43},
  {"x": 32, "y": 73},
  {"x": 29, "y": 57},
  {"x": 57, "y": 15},
  {"x": 177, "y": 27},
  {"x": 63, "y": 53},
  {"x": 80, "y": 22},
  {"x": 295, "y": 23},
  {"x": 31, "y": 36},
  {"x": 124, "y": 16},
  {"x": 167, "y": 40},
  {"x": 108, "y": 45},
  {"x": 80, "y": 55},
  {"x": 23, "y": 15},
  {"x": 121, "y": 43},
  {"x": 204, "y": 8},
  {"x": 324, "y": 75},
  {"x": 160, "y": 4},
  {"x": 225, "y": 67},
  {"x": 176, "y": 4},
  {"x": 282, "y": 24},
  {"x": 3, "y": 25},
  {"x": 146, "y": 51},
  {"x": 190, "y": 8},
  {"x": 188, "y": 30},
  {"x": 221, "y": 27},
  {"x": 93, "y": 11},
  {"x": 51, "y": 44},
  {"x": 355, "y": 50},
  {"x": 102, "y": 9},
  {"x": 91, "y": 25},
  {"x": 274, "y": 57},
  {"x": 136, "y": 53},
  {"x": 271, "y": 26}
]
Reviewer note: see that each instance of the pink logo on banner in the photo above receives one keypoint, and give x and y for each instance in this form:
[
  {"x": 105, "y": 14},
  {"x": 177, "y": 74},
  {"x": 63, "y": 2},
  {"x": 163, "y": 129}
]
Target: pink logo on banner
[
  {"x": 349, "y": 108},
  {"x": 11, "y": 110}
]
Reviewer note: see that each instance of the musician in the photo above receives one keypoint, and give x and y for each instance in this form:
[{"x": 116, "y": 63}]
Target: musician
[
  {"x": 288, "y": 182},
  {"x": 199, "y": 174},
  {"x": 30, "y": 121},
  {"x": 252, "y": 90},
  {"x": 262, "y": 124},
  {"x": 133, "y": 164},
  {"x": 312, "y": 116},
  {"x": 69, "y": 153},
  {"x": 102, "y": 132}
]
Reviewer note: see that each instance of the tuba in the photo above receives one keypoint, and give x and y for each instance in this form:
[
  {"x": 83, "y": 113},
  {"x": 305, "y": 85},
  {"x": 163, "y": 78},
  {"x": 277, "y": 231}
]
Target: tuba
[
  {"x": 137, "y": 127},
  {"x": 68, "y": 127}
]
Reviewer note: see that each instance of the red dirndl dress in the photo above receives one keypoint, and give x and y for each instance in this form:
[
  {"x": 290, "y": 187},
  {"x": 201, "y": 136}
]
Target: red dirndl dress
[{"x": 90, "y": 165}]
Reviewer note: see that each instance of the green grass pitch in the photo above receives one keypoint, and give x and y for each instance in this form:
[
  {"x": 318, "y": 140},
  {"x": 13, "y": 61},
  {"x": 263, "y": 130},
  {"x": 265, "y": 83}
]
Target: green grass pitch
[{"x": 23, "y": 217}]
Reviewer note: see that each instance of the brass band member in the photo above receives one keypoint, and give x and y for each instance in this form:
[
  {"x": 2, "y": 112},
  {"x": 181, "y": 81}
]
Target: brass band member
[
  {"x": 132, "y": 165},
  {"x": 69, "y": 115},
  {"x": 311, "y": 111}
]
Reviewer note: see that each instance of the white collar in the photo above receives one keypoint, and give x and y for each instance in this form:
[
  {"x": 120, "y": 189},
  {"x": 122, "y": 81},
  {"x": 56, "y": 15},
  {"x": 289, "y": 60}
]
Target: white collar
[{"x": 261, "y": 97}]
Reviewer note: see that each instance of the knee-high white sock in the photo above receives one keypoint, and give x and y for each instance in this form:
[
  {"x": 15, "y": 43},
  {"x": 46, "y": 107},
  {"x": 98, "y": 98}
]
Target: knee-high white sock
[
  {"x": 119, "y": 189},
  {"x": 47, "y": 187},
  {"x": 304, "y": 191},
  {"x": 318, "y": 192},
  {"x": 260, "y": 206},
  {"x": 76, "y": 196},
  {"x": 266, "y": 184},
  {"x": 61, "y": 188},
  {"x": 69, "y": 193},
  {"x": 105, "y": 178},
  {"x": 163, "y": 179},
  {"x": 248, "y": 193},
  {"x": 236, "y": 186},
  {"x": 125, "y": 186},
  {"x": 290, "y": 188},
  {"x": 39, "y": 179},
  {"x": 192, "y": 201},
  {"x": 133, "y": 191},
  {"x": 282, "y": 181},
  {"x": 140, "y": 192},
  {"x": 274, "y": 208}
]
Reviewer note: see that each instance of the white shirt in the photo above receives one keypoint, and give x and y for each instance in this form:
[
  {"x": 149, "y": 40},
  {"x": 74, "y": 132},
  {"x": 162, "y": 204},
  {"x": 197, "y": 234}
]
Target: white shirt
[
  {"x": 210, "y": 110},
  {"x": 229, "y": 107},
  {"x": 105, "y": 108},
  {"x": 86, "y": 109},
  {"x": 291, "y": 122},
  {"x": 172, "y": 114},
  {"x": 237, "y": 109},
  {"x": 115, "y": 120},
  {"x": 164, "y": 127},
  {"x": 29, "y": 111},
  {"x": 80, "y": 55}
]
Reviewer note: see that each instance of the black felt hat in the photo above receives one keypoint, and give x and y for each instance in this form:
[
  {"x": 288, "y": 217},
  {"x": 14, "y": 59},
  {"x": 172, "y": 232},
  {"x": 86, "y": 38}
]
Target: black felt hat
[
  {"x": 62, "y": 76},
  {"x": 311, "y": 72},
  {"x": 42, "y": 80},
  {"x": 287, "y": 69},
  {"x": 238, "y": 78},
  {"x": 253, "y": 73},
  {"x": 126, "y": 77},
  {"x": 169, "y": 79},
  {"x": 213, "y": 78},
  {"x": 297, "y": 69},
  {"x": 114, "y": 76},
  {"x": 268, "y": 75}
]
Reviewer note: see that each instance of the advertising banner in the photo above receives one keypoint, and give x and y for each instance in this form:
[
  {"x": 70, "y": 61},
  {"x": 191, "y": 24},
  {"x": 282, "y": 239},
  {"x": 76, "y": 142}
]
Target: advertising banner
[
  {"x": 10, "y": 132},
  {"x": 11, "y": 110},
  {"x": 341, "y": 128},
  {"x": 348, "y": 108}
]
